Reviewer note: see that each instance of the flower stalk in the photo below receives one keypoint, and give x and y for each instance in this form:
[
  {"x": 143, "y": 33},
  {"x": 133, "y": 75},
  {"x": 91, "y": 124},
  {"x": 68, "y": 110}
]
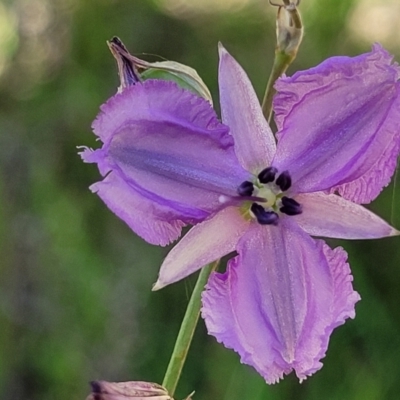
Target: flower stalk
[
  {"x": 289, "y": 34},
  {"x": 186, "y": 331}
]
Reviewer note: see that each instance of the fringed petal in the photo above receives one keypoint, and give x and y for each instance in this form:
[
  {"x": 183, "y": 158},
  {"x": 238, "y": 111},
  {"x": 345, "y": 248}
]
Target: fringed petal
[
  {"x": 368, "y": 186},
  {"x": 155, "y": 223},
  {"x": 167, "y": 144},
  {"x": 338, "y": 125},
  {"x": 279, "y": 300}
]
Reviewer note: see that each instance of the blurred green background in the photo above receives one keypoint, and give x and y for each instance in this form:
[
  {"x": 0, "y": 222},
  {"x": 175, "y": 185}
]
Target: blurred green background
[{"x": 75, "y": 299}]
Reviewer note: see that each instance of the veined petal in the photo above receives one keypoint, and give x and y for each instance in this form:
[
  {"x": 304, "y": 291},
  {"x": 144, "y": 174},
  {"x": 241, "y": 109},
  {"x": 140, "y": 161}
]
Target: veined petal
[
  {"x": 338, "y": 125},
  {"x": 155, "y": 223},
  {"x": 279, "y": 300},
  {"x": 332, "y": 216},
  {"x": 168, "y": 144},
  {"x": 368, "y": 186},
  {"x": 241, "y": 111},
  {"x": 204, "y": 243}
]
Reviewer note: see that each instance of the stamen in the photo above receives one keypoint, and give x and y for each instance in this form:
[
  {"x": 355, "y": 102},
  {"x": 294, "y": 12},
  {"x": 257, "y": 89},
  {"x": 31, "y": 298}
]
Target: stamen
[
  {"x": 284, "y": 181},
  {"x": 264, "y": 217},
  {"x": 290, "y": 206},
  {"x": 267, "y": 175},
  {"x": 246, "y": 188}
]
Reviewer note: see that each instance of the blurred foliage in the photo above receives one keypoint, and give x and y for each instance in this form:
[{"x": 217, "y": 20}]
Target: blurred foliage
[{"x": 75, "y": 282}]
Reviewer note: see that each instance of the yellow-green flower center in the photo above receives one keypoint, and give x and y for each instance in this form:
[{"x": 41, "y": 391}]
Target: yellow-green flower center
[{"x": 265, "y": 200}]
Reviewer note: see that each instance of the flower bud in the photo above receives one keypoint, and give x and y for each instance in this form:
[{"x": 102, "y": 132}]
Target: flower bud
[
  {"x": 127, "y": 71},
  {"x": 134, "y": 390},
  {"x": 184, "y": 76},
  {"x": 289, "y": 28},
  {"x": 129, "y": 65}
]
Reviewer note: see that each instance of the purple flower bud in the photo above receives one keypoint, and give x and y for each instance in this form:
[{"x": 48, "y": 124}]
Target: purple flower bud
[
  {"x": 129, "y": 67},
  {"x": 127, "y": 71},
  {"x": 134, "y": 390}
]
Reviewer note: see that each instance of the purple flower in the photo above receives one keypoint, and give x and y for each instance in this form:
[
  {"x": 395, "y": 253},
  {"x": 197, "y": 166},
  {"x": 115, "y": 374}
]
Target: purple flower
[{"x": 168, "y": 162}]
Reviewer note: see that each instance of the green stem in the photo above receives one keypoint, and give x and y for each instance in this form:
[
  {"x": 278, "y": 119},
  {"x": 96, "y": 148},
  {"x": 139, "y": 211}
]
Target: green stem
[
  {"x": 281, "y": 63},
  {"x": 186, "y": 331}
]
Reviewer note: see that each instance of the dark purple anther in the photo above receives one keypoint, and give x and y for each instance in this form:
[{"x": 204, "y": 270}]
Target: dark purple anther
[
  {"x": 284, "y": 181},
  {"x": 264, "y": 217},
  {"x": 245, "y": 189},
  {"x": 290, "y": 206},
  {"x": 267, "y": 175}
]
